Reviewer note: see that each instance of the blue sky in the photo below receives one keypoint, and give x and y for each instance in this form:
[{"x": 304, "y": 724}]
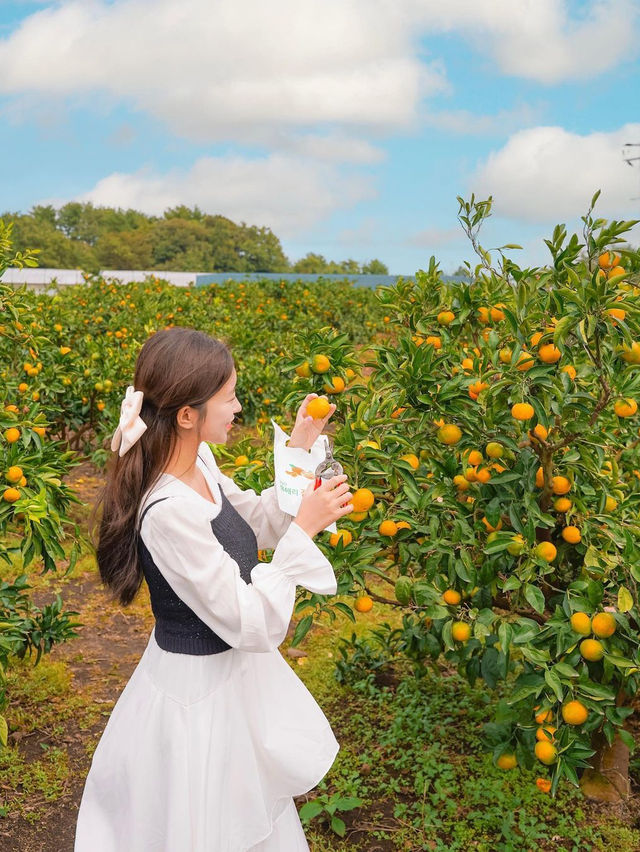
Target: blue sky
[{"x": 347, "y": 126}]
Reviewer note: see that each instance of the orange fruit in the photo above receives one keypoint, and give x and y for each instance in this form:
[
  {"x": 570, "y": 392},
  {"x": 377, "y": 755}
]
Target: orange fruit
[
  {"x": 525, "y": 361},
  {"x": 449, "y": 434},
  {"x": 574, "y": 713},
  {"x": 470, "y": 474},
  {"x": 341, "y": 535},
  {"x": 11, "y": 495},
  {"x": 22, "y": 482},
  {"x": 14, "y": 474},
  {"x": 494, "y": 450},
  {"x": 616, "y": 270},
  {"x": 362, "y": 500},
  {"x": 23, "y": 386},
  {"x": 507, "y": 761},
  {"x": 337, "y": 384},
  {"x": 540, "y": 477},
  {"x": 516, "y": 545},
  {"x": 607, "y": 259},
  {"x": 483, "y": 315},
  {"x": 610, "y": 504},
  {"x": 545, "y": 550},
  {"x": 475, "y": 458},
  {"x": 40, "y": 430},
  {"x": 241, "y": 460},
  {"x": 560, "y": 485},
  {"x": 460, "y": 631},
  {"x": 497, "y": 315},
  {"x": 12, "y": 434},
  {"x": 389, "y": 528},
  {"x": 549, "y": 353},
  {"x": 318, "y": 408},
  {"x": 546, "y": 752},
  {"x": 460, "y": 482},
  {"x": 562, "y": 504},
  {"x": 434, "y": 341},
  {"x": 446, "y": 317},
  {"x": 304, "y": 370},
  {"x": 320, "y": 363},
  {"x": 571, "y": 534},
  {"x": 357, "y": 516},
  {"x": 616, "y": 313},
  {"x": 570, "y": 370},
  {"x": 483, "y": 475},
  {"x": 544, "y": 716},
  {"x": 467, "y": 364},
  {"x": 398, "y": 411},
  {"x": 581, "y": 623},
  {"x": 452, "y": 597},
  {"x": 603, "y": 625},
  {"x": 591, "y": 649},
  {"x": 522, "y": 411},
  {"x": 545, "y": 733},
  {"x": 403, "y": 525},
  {"x": 505, "y": 355},
  {"x": 412, "y": 459},
  {"x": 364, "y": 603},
  {"x": 540, "y": 431},
  {"x": 631, "y": 354},
  {"x": 64, "y": 350},
  {"x": 626, "y": 407},
  {"x": 543, "y": 784}
]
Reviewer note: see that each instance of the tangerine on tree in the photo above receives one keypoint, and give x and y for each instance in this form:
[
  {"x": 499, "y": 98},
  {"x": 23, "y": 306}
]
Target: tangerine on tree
[
  {"x": 320, "y": 363},
  {"x": 475, "y": 458},
  {"x": 603, "y": 625},
  {"x": 449, "y": 434},
  {"x": 318, "y": 408},
  {"x": 412, "y": 459},
  {"x": 562, "y": 504},
  {"x": 239, "y": 461},
  {"x": 389, "y": 528},
  {"x": 522, "y": 411},
  {"x": 560, "y": 485},
  {"x": 364, "y": 603},
  {"x": 626, "y": 407},
  {"x": 549, "y": 354},
  {"x": 12, "y": 434},
  {"x": 507, "y": 761},
  {"x": 362, "y": 500},
  {"x": 304, "y": 370},
  {"x": 546, "y": 752},
  {"x": 451, "y": 597},
  {"x": 516, "y": 545},
  {"x": 340, "y": 535},
  {"x": 581, "y": 623},
  {"x": 574, "y": 713},
  {"x": 543, "y": 716},
  {"x": 571, "y": 535},
  {"x": 11, "y": 495},
  {"x": 14, "y": 474},
  {"x": 460, "y": 631},
  {"x": 337, "y": 385},
  {"x": 446, "y": 317},
  {"x": 545, "y": 733},
  {"x": 546, "y": 550},
  {"x": 591, "y": 650},
  {"x": 610, "y": 504},
  {"x": 494, "y": 450}
]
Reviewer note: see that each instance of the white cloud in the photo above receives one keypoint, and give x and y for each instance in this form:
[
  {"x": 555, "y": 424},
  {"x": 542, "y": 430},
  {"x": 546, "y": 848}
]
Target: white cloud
[
  {"x": 435, "y": 237},
  {"x": 237, "y": 69},
  {"x": 287, "y": 194},
  {"x": 546, "y": 173},
  {"x": 464, "y": 122}
]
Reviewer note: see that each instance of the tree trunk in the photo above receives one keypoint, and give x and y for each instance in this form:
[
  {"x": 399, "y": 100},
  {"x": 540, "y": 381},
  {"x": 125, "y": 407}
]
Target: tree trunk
[{"x": 608, "y": 781}]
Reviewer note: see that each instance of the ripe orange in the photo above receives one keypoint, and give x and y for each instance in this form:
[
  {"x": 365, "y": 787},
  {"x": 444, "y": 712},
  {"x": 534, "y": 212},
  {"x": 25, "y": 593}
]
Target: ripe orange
[
  {"x": 12, "y": 434},
  {"x": 616, "y": 313},
  {"x": 14, "y": 474},
  {"x": 562, "y": 504},
  {"x": 343, "y": 535},
  {"x": 364, "y": 603},
  {"x": 543, "y": 784},
  {"x": 574, "y": 713},
  {"x": 497, "y": 315},
  {"x": 23, "y": 386},
  {"x": 570, "y": 370},
  {"x": 546, "y": 752},
  {"x": 452, "y": 597},
  {"x": 540, "y": 477},
  {"x": 460, "y": 631},
  {"x": 545, "y": 550},
  {"x": 449, "y": 434},
  {"x": 413, "y": 460},
  {"x": 335, "y": 385},
  {"x": 544, "y": 716},
  {"x": 581, "y": 623},
  {"x": 320, "y": 363},
  {"x": 626, "y": 407},
  {"x": 446, "y": 317},
  {"x": 398, "y": 411},
  {"x": 403, "y": 525},
  {"x": 631, "y": 354},
  {"x": 40, "y": 430},
  {"x": 303, "y": 370},
  {"x": 357, "y": 516},
  {"x": 616, "y": 270},
  {"x": 610, "y": 504},
  {"x": 475, "y": 458},
  {"x": 505, "y": 354},
  {"x": 507, "y": 761},
  {"x": 483, "y": 315},
  {"x": 460, "y": 482},
  {"x": 522, "y": 411},
  {"x": 470, "y": 474},
  {"x": 23, "y": 481},
  {"x": 545, "y": 733},
  {"x": 525, "y": 361},
  {"x": 389, "y": 528},
  {"x": 603, "y": 625},
  {"x": 591, "y": 649},
  {"x": 549, "y": 354},
  {"x": 11, "y": 495},
  {"x": 560, "y": 485},
  {"x": 241, "y": 460},
  {"x": 483, "y": 475},
  {"x": 571, "y": 534},
  {"x": 318, "y": 407},
  {"x": 535, "y": 338},
  {"x": 607, "y": 259},
  {"x": 362, "y": 500}
]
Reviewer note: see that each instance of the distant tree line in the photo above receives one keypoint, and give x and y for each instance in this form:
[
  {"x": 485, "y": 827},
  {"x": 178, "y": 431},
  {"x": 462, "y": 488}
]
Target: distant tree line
[{"x": 81, "y": 236}]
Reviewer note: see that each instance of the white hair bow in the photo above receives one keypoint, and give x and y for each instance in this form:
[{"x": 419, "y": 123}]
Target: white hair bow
[{"x": 131, "y": 425}]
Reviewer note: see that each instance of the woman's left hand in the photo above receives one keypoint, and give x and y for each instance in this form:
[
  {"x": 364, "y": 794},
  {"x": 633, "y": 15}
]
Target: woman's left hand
[{"x": 306, "y": 430}]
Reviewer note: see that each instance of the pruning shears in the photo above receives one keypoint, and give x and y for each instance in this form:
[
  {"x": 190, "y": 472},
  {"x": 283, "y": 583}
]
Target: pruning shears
[{"x": 328, "y": 467}]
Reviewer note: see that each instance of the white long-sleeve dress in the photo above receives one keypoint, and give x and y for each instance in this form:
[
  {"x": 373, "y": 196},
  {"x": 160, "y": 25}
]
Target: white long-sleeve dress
[{"x": 204, "y": 753}]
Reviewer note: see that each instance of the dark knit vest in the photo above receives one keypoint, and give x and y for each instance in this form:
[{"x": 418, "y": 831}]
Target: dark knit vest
[{"x": 178, "y": 628}]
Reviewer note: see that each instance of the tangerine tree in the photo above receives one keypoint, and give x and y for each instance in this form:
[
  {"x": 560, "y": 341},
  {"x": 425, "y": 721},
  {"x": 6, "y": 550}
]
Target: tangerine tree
[{"x": 498, "y": 435}]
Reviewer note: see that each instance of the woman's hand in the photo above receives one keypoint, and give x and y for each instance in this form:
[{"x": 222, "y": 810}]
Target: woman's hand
[
  {"x": 306, "y": 430},
  {"x": 324, "y": 505}
]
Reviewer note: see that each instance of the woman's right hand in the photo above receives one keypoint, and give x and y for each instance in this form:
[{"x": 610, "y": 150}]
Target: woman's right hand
[{"x": 324, "y": 505}]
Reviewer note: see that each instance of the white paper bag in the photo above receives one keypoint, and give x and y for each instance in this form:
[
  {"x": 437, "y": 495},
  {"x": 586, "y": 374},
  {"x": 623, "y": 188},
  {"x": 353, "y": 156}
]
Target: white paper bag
[{"x": 294, "y": 469}]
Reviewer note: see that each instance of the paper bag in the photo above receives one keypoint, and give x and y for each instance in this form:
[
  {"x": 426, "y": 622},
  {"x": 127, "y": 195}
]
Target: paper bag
[{"x": 294, "y": 469}]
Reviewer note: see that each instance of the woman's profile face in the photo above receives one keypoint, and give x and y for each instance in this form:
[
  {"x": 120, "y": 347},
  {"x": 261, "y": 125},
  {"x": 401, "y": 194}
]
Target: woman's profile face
[{"x": 219, "y": 412}]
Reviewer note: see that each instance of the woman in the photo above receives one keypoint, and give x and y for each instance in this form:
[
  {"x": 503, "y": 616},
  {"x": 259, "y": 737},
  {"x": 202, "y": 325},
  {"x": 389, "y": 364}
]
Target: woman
[{"x": 214, "y": 733}]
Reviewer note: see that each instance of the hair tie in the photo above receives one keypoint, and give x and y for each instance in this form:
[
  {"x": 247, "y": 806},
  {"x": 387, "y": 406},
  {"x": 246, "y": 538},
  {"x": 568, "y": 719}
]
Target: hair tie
[{"x": 131, "y": 425}]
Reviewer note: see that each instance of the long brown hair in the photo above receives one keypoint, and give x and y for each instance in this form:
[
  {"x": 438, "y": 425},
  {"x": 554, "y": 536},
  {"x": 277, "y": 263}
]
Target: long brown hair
[{"x": 175, "y": 367}]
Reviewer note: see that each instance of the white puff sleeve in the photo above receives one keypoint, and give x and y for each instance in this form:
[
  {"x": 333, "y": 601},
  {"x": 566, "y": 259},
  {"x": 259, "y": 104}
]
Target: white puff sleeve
[
  {"x": 260, "y": 511},
  {"x": 251, "y": 617}
]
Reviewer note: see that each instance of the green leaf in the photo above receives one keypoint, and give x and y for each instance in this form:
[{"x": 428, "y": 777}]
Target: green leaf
[
  {"x": 534, "y": 597},
  {"x": 302, "y": 628},
  {"x": 625, "y": 600},
  {"x": 553, "y": 681},
  {"x": 4, "y": 731},
  {"x": 565, "y": 670},
  {"x": 310, "y": 810},
  {"x": 338, "y": 826}
]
